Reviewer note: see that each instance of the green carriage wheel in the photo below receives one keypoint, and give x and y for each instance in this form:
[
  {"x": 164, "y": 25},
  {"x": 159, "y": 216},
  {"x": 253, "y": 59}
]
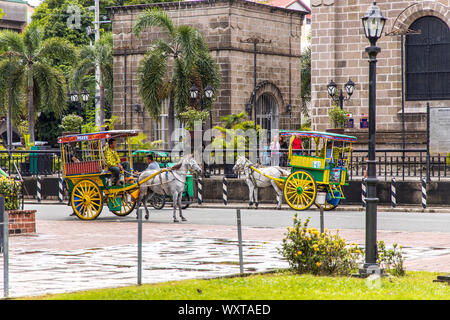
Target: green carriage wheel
[
  {"x": 127, "y": 204},
  {"x": 300, "y": 190}
]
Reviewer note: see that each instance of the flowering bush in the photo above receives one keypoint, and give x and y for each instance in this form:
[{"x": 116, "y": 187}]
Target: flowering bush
[
  {"x": 391, "y": 259},
  {"x": 309, "y": 251},
  {"x": 10, "y": 189}
]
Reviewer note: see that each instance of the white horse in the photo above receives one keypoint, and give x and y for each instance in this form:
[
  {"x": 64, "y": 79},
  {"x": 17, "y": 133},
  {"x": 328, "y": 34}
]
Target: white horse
[
  {"x": 171, "y": 182},
  {"x": 255, "y": 180}
]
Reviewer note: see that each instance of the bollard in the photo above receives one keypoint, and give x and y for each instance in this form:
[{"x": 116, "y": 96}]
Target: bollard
[
  {"x": 61, "y": 189},
  {"x": 38, "y": 188},
  {"x": 224, "y": 190},
  {"x": 424, "y": 193},
  {"x": 393, "y": 193},
  {"x": 363, "y": 192},
  {"x": 241, "y": 260},
  {"x": 200, "y": 190}
]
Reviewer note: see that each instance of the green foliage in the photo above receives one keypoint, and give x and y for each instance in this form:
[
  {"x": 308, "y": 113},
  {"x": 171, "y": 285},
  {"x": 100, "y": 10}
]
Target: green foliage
[
  {"x": 71, "y": 122},
  {"x": 391, "y": 259},
  {"x": 141, "y": 142},
  {"x": 306, "y": 80},
  {"x": 309, "y": 251},
  {"x": 233, "y": 119},
  {"x": 191, "y": 115},
  {"x": 10, "y": 189},
  {"x": 337, "y": 117},
  {"x": 185, "y": 50},
  {"x": 35, "y": 78}
]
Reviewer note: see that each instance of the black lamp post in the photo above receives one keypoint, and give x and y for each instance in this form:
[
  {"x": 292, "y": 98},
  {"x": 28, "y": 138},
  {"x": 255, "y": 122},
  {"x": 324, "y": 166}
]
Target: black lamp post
[
  {"x": 373, "y": 23},
  {"x": 349, "y": 88},
  {"x": 208, "y": 92},
  {"x": 75, "y": 98}
]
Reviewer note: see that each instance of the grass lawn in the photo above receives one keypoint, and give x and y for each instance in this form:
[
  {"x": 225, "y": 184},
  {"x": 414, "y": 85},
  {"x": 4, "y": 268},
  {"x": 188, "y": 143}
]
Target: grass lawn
[{"x": 278, "y": 286}]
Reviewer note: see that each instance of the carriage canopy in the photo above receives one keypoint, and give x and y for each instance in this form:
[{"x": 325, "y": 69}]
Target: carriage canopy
[
  {"x": 98, "y": 136},
  {"x": 318, "y": 134}
]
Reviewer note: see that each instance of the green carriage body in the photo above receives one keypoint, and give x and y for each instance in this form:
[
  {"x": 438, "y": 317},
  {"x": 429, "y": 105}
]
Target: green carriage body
[{"x": 327, "y": 172}]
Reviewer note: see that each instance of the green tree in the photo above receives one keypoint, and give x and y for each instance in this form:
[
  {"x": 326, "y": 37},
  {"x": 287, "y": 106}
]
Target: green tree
[
  {"x": 100, "y": 54},
  {"x": 306, "y": 80},
  {"x": 185, "y": 50},
  {"x": 35, "y": 79}
]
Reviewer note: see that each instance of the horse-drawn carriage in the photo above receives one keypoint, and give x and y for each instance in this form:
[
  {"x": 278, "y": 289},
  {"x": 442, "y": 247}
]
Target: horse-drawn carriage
[
  {"x": 320, "y": 166},
  {"x": 89, "y": 182}
]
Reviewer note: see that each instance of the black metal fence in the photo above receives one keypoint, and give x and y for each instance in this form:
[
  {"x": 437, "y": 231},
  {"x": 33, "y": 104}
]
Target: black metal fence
[{"x": 401, "y": 164}]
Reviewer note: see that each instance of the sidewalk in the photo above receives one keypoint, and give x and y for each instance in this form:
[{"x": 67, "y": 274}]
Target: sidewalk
[{"x": 67, "y": 256}]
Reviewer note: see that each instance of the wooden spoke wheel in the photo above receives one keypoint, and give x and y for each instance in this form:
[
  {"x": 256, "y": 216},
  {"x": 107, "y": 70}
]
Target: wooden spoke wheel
[
  {"x": 128, "y": 203},
  {"x": 87, "y": 200},
  {"x": 300, "y": 190}
]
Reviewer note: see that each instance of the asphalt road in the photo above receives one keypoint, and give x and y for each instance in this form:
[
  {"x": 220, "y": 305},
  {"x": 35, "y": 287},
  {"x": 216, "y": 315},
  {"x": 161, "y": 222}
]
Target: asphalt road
[{"x": 389, "y": 221}]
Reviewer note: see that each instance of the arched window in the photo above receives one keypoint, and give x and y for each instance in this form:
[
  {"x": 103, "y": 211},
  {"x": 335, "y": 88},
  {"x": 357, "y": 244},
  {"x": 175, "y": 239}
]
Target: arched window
[{"x": 427, "y": 62}]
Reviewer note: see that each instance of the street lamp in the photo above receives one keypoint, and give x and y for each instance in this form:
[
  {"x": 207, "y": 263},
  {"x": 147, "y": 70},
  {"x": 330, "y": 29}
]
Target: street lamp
[
  {"x": 349, "y": 88},
  {"x": 373, "y": 23},
  {"x": 85, "y": 95},
  {"x": 208, "y": 92}
]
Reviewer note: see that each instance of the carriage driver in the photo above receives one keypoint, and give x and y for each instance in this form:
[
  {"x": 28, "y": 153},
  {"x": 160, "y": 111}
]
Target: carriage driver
[
  {"x": 152, "y": 164},
  {"x": 114, "y": 164}
]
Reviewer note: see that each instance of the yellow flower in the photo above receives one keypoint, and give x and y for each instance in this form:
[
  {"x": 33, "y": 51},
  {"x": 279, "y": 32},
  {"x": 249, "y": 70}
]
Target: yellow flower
[
  {"x": 358, "y": 251},
  {"x": 316, "y": 249},
  {"x": 299, "y": 253},
  {"x": 318, "y": 264}
]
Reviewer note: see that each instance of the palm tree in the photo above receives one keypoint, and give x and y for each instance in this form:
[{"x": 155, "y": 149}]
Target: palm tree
[
  {"x": 100, "y": 54},
  {"x": 185, "y": 50},
  {"x": 36, "y": 80}
]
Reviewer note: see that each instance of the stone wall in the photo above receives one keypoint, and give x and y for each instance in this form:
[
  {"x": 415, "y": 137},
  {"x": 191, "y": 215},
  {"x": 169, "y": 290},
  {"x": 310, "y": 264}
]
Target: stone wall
[
  {"x": 226, "y": 26},
  {"x": 338, "y": 53}
]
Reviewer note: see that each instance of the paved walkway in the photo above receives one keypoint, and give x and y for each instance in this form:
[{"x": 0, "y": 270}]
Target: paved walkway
[{"x": 67, "y": 256}]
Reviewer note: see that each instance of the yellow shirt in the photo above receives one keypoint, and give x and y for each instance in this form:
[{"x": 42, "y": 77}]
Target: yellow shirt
[{"x": 111, "y": 157}]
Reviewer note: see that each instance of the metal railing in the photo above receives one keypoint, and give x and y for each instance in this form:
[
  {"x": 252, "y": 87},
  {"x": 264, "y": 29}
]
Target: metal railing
[{"x": 398, "y": 163}]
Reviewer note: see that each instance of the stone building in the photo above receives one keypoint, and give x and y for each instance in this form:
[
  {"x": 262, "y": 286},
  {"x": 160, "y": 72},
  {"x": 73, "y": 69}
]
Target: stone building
[
  {"x": 229, "y": 27},
  {"x": 338, "y": 53},
  {"x": 16, "y": 15}
]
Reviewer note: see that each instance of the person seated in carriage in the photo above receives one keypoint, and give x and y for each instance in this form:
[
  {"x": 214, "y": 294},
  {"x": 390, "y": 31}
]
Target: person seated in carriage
[
  {"x": 152, "y": 164},
  {"x": 114, "y": 164},
  {"x": 296, "y": 143}
]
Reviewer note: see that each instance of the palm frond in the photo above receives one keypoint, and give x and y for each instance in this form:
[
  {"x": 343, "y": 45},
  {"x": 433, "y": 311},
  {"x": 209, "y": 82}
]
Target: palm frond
[
  {"x": 10, "y": 40},
  {"x": 83, "y": 68},
  {"x": 32, "y": 38},
  {"x": 186, "y": 36},
  {"x": 52, "y": 88},
  {"x": 58, "y": 48},
  {"x": 153, "y": 18},
  {"x": 182, "y": 83},
  {"x": 151, "y": 71}
]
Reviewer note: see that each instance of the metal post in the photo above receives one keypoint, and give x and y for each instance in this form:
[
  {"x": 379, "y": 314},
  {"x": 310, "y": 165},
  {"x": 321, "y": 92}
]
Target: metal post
[
  {"x": 424, "y": 193},
  {"x": 200, "y": 190},
  {"x": 139, "y": 271},
  {"x": 393, "y": 193},
  {"x": 428, "y": 142},
  {"x": 241, "y": 260},
  {"x": 321, "y": 219},
  {"x": 225, "y": 190},
  {"x": 363, "y": 192},
  {"x": 98, "y": 104},
  {"x": 370, "y": 265},
  {"x": 5, "y": 231},
  {"x": 61, "y": 189},
  {"x": 38, "y": 188},
  {"x": 9, "y": 124},
  {"x": 403, "y": 108}
]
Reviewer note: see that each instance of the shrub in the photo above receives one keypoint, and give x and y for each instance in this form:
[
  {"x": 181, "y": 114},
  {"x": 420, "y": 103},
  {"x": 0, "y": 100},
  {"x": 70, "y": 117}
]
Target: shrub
[
  {"x": 71, "y": 122},
  {"x": 338, "y": 118},
  {"x": 10, "y": 189},
  {"x": 309, "y": 251},
  {"x": 391, "y": 259}
]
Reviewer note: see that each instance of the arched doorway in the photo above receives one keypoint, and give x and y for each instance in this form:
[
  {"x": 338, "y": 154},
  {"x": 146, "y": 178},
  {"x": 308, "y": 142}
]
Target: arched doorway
[{"x": 267, "y": 114}]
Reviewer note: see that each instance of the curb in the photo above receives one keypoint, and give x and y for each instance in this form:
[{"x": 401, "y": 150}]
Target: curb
[{"x": 211, "y": 205}]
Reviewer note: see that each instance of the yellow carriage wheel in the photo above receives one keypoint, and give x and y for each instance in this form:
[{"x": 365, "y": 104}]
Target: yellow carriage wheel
[
  {"x": 87, "y": 200},
  {"x": 128, "y": 203},
  {"x": 300, "y": 190}
]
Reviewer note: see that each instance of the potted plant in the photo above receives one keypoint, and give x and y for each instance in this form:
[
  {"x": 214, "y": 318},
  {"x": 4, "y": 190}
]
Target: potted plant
[
  {"x": 190, "y": 116},
  {"x": 338, "y": 118}
]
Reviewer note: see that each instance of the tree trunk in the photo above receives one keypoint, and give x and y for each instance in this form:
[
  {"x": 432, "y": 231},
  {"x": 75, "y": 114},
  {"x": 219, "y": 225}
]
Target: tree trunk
[
  {"x": 31, "y": 113},
  {"x": 171, "y": 122},
  {"x": 102, "y": 107}
]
